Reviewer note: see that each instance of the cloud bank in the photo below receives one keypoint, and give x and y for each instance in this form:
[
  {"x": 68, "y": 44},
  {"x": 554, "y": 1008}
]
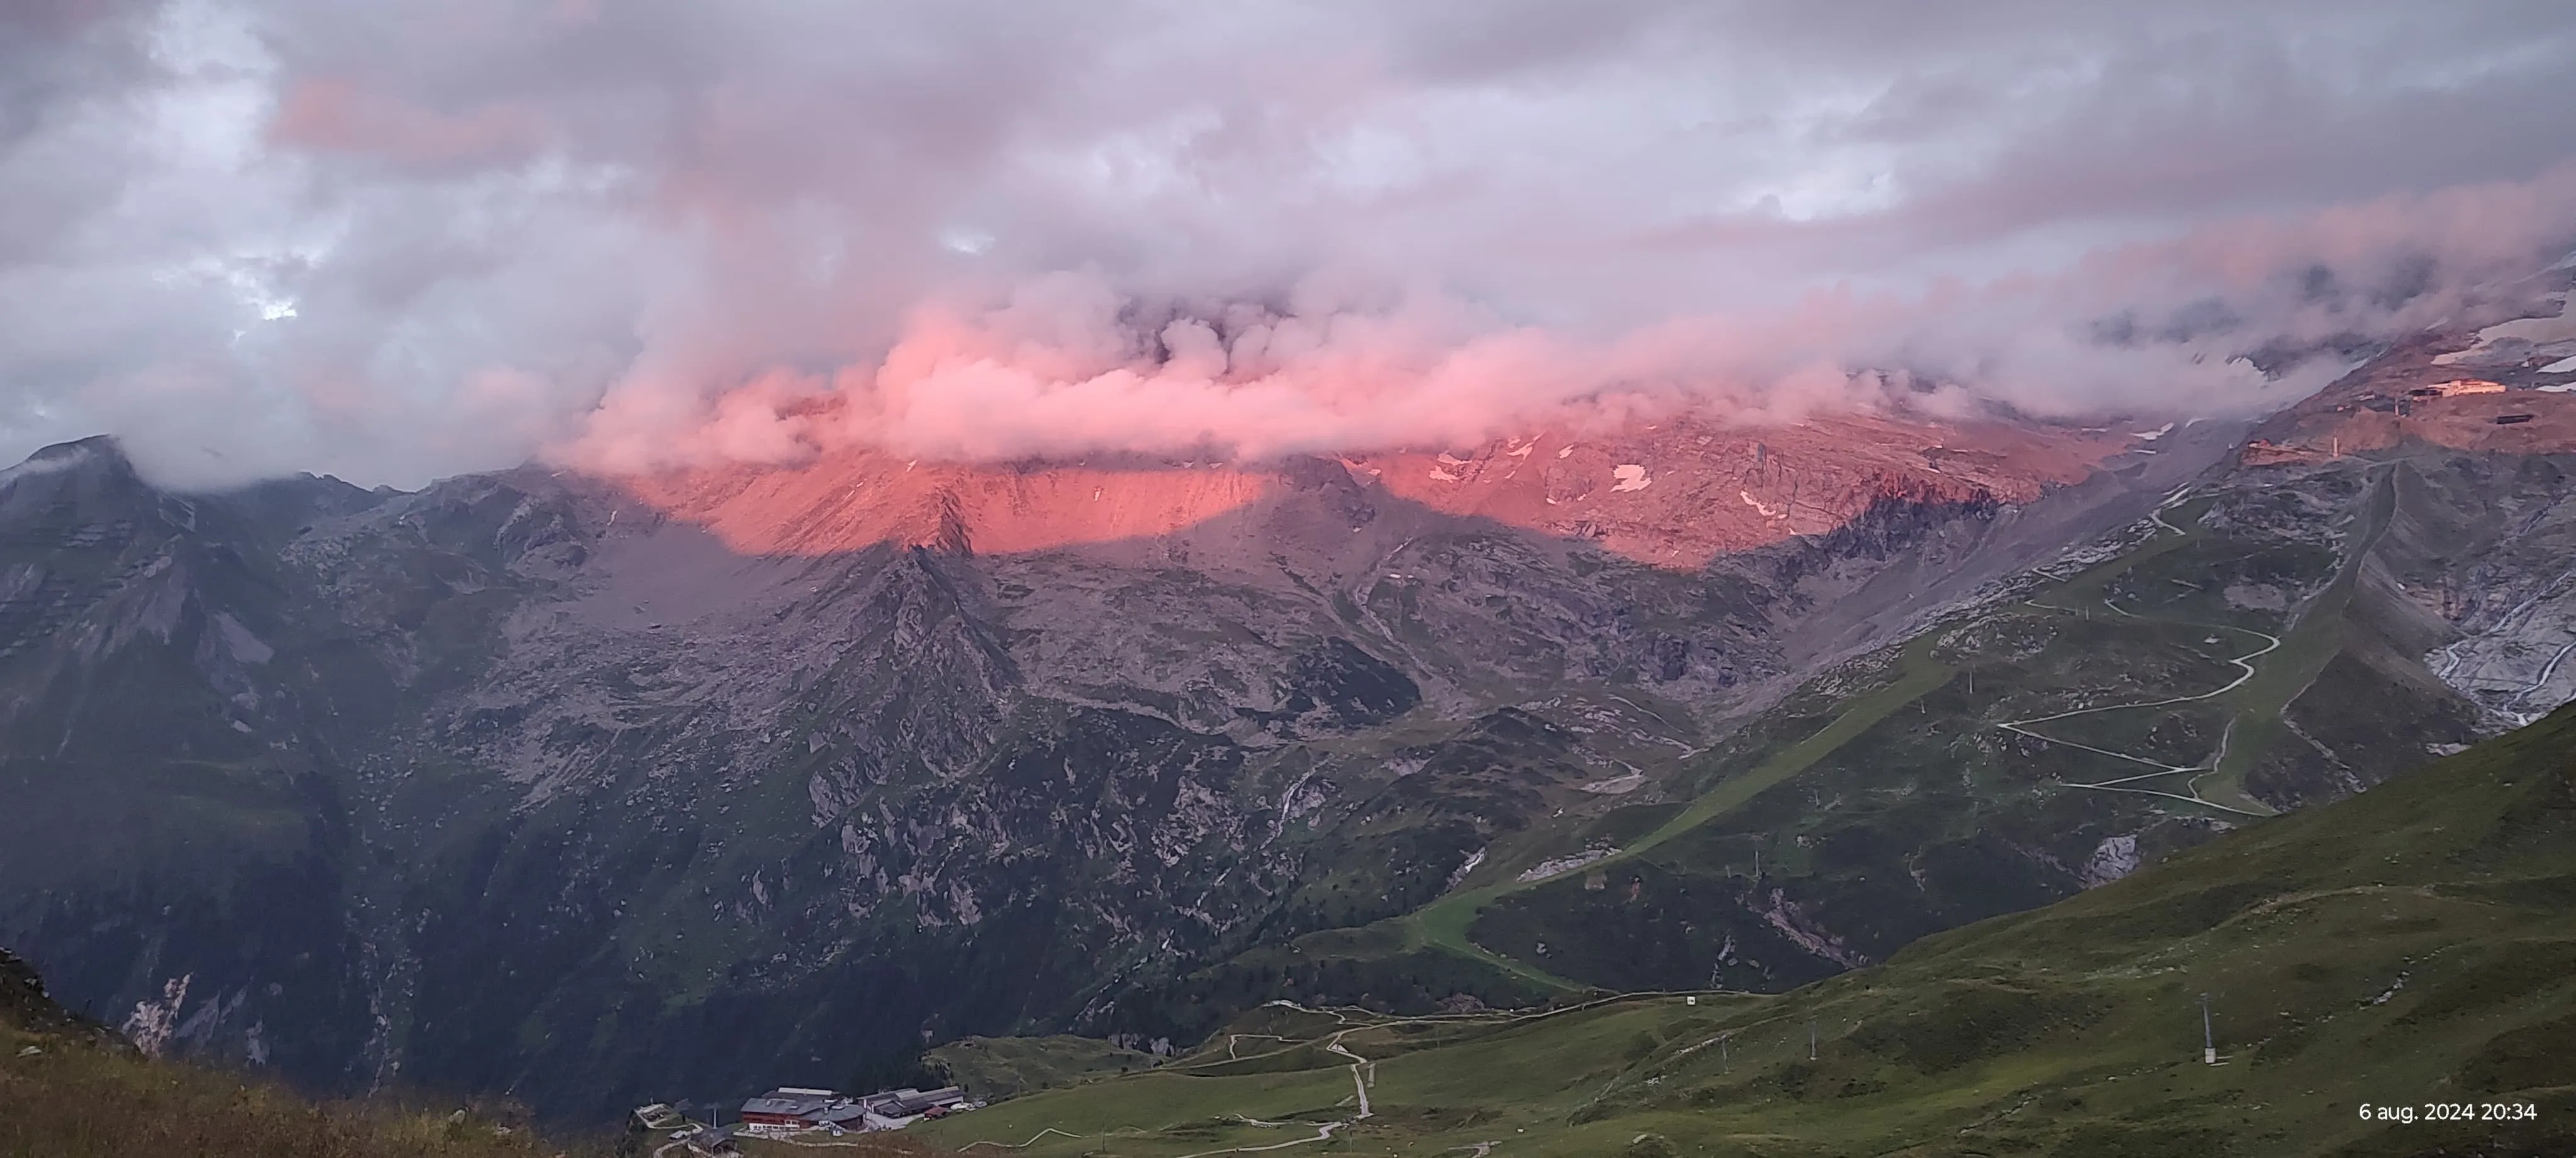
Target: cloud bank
[{"x": 399, "y": 239}]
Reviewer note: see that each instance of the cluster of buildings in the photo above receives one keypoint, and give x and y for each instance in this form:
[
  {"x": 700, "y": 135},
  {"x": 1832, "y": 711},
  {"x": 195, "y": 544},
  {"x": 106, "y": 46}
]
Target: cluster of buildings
[
  {"x": 2405, "y": 402},
  {"x": 700, "y": 1140},
  {"x": 2457, "y": 386},
  {"x": 793, "y": 1109},
  {"x": 798, "y": 1109}
]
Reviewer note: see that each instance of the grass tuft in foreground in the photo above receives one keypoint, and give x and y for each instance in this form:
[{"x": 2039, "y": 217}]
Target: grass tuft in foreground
[{"x": 72, "y": 1089}]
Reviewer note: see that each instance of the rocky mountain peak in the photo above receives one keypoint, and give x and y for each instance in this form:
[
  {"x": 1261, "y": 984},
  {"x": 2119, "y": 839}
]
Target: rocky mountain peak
[{"x": 69, "y": 477}]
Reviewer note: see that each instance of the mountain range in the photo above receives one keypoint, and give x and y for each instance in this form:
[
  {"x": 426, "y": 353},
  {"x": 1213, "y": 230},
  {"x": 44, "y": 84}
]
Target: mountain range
[{"x": 593, "y": 790}]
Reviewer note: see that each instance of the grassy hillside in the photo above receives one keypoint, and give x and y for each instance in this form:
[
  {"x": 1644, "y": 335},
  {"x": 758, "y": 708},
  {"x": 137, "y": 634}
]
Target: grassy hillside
[
  {"x": 2414, "y": 944},
  {"x": 70, "y": 1089},
  {"x": 1002, "y": 1067}
]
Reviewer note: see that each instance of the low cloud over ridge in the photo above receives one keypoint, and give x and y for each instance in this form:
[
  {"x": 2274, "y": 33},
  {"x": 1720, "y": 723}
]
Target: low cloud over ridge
[{"x": 401, "y": 239}]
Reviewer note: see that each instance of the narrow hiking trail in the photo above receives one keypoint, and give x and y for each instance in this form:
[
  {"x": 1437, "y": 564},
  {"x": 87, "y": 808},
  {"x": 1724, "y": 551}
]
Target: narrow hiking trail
[
  {"x": 1363, "y": 1070},
  {"x": 2192, "y": 773},
  {"x": 1444, "y": 923}
]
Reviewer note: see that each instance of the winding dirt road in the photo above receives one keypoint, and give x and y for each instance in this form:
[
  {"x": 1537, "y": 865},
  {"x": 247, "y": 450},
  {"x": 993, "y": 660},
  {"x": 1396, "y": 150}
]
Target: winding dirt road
[
  {"x": 2193, "y": 773},
  {"x": 1363, "y": 1070}
]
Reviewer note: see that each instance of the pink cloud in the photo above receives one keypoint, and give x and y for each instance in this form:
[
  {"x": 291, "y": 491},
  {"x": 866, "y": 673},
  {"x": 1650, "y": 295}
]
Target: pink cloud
[
  {"x": 404, "y": 239},
  {"x": 1066, "y": 364},
  {"x": 337, "y": 114}
]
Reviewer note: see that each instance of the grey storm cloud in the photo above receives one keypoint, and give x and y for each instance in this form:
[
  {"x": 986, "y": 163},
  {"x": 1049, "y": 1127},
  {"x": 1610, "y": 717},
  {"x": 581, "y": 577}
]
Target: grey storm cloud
[{"x": 402, "y": 238}]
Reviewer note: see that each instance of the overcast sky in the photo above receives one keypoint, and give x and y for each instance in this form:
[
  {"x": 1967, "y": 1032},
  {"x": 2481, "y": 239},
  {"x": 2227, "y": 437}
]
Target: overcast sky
[{"x": 399, "y": 239}]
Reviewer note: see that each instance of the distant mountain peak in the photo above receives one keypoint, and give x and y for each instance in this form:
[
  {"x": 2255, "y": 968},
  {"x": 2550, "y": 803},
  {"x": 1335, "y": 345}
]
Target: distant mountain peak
[
  {"x": 98, "y": 451},
  {"x": 91, "y": 477}
]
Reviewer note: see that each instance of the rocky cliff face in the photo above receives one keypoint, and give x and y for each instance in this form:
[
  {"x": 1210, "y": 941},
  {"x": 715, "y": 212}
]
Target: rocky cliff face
[
  {"x": 595, "y": 790},
  {"x": 2481, "y": 427}
]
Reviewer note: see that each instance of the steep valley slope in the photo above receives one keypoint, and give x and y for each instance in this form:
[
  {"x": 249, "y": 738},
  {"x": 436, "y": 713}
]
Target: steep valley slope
[
  {"x": 2348, "y": 966},
  {"x": 592, "y": 791}
]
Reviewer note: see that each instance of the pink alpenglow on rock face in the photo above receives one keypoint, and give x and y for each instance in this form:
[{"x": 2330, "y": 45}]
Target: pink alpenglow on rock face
[
  {"x": 411, "y": 239},
  {"x": 1714, "y": 488}
]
